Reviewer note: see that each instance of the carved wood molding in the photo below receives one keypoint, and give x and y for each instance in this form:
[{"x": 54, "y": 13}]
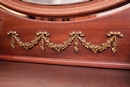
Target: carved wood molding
[
  {"x": 75, "y": 37},
  {"x": 62, "y": 10}
]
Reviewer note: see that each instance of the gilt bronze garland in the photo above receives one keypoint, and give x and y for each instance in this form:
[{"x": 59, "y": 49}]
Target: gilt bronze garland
[{"x": 75, "y": 37}]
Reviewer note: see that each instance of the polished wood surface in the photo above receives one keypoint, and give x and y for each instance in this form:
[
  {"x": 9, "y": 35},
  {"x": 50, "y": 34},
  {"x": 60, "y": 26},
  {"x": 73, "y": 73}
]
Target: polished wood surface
[
  {"x": 84, "y": 68},
  {"x": 16, "y": 74},
  {"x": 63, "y": 10},
  {"x": 95, "y": 30},
  {"x": 0, "y": 23}
]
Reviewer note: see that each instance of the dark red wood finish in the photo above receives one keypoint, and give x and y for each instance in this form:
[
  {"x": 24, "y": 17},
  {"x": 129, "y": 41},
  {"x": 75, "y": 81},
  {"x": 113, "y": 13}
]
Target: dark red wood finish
[
  {"x": 63, "y": 10},
  {"x": 95, "y": 30},
  {"x": 16, "y": 74}
]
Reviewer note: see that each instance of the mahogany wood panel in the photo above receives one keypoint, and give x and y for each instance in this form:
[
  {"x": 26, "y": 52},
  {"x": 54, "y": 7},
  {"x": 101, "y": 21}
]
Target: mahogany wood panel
[
  {"x": 0, "y": 23},
  {"x": 15, "y": 74},
  {"x": 95, "y": 31}
]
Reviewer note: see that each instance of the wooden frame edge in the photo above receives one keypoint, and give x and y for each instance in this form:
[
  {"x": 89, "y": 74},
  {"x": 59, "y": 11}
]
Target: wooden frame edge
[{"x": 69, "y": 62}]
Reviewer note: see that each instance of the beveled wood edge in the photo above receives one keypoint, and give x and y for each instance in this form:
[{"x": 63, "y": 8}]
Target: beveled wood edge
[
  {"x": 68, "y": 62},
  {"x": 13, "y": 12},
  {"x": 67, "y": 11}
]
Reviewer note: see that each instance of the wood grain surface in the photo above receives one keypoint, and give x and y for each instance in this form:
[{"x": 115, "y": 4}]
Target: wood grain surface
[
  {"x": 95, "y": 31},
  {"x": 16, "y": 74}
]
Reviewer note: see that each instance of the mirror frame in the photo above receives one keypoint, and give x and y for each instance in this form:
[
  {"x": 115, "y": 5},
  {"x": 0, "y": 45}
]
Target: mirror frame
[
  {"x": 55, "y": 2},
  {"x": 63, "y": 10}
]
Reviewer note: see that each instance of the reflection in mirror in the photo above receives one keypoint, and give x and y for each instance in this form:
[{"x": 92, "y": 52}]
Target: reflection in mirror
[{"x": 54, "y": 2}]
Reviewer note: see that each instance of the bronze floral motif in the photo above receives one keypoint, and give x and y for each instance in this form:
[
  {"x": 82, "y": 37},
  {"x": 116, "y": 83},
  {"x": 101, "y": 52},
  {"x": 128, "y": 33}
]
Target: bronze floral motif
[{"x": 76, "y": 37}]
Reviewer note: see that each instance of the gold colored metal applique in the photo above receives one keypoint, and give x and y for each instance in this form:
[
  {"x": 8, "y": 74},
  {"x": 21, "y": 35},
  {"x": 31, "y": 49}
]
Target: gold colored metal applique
[{"x": 76, "y": 37}]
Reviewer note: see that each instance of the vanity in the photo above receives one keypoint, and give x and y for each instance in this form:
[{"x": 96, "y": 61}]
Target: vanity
[{"x": 60, "y": 43}]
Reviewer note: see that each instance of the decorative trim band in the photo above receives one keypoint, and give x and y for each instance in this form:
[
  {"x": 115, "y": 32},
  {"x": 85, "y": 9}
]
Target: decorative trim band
[{"x": 76, "y": 37}]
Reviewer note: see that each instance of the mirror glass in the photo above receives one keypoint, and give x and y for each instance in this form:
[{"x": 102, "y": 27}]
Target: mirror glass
[{"x": 54, "y": 2}]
